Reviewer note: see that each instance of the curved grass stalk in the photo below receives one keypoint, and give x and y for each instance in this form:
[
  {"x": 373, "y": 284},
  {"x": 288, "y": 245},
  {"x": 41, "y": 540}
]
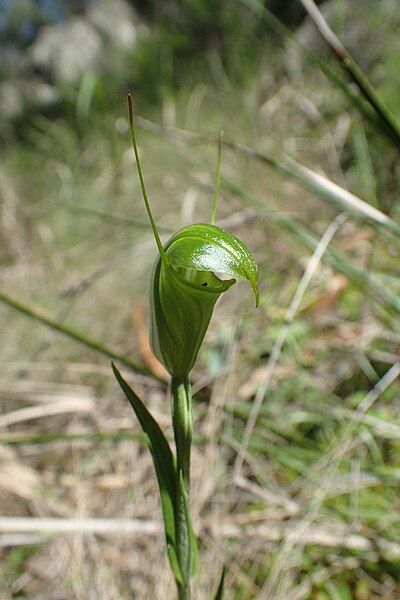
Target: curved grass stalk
[
  {"x": 217, "y": 180},
  {"x": 141, "y": 179}
]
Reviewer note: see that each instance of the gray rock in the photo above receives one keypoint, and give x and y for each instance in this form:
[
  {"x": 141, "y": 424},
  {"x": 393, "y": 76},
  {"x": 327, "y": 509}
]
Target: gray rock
[
  {"x": 39, "y": 94},
  {"x": 68, "y": 50},
  {"x": 116, "y": 21}
]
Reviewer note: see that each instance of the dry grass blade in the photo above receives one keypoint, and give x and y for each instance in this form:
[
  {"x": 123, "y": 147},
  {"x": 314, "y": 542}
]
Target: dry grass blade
[
  {"x": 362, "y": 278},
  {"x": 337, "y": 536},
  {"x": 352, "y": 68},
  {"x": 368, "y": 102},
  {"x": 326, "y": 189},
  {"x": 273, "y": 359},
  {"x": 85, "y": 526},
  {"x": 19, "y": 480},
  {"x": 332, "y": 192},
  {"x": 392, "y": 374},
  {"x": 323, "y": 27},
  {"x": 329, "y": 463},
  {"x": 40, "y": 392},
  {"x": 19, "y": 539},
  {"x": 74, "y": 405}
]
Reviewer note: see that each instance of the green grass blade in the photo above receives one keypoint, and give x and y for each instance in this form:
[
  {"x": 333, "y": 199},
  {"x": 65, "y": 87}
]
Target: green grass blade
[
  {"x": 72, "y": 333},
  {"x": 365, "y": 169},
  {"x": 333, "y": 75},
  {"x": 220, "y": 591},
  {"x": 86, "y": 92},
  {"x": 164, "y": 465},
  {"x": 391, "y": 126}
]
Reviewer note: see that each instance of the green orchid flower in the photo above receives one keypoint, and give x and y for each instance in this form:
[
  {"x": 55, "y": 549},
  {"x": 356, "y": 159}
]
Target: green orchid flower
[{"x": 184, "y": 285}]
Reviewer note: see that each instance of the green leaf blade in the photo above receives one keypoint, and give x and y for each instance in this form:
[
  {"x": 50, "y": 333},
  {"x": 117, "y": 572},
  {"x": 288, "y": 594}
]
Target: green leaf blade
[
  {"x": 188, "y": 533},
  {"x": 220, "y": 591},
  {"x": 165, "y": 468}
]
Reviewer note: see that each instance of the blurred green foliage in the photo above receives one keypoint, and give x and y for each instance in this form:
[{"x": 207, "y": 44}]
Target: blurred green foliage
[{"x": 191, "y": 35}]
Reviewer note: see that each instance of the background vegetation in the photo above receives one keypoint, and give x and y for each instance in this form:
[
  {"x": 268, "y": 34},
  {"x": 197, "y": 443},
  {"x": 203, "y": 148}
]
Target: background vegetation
[{"x": 307, "y": 506}]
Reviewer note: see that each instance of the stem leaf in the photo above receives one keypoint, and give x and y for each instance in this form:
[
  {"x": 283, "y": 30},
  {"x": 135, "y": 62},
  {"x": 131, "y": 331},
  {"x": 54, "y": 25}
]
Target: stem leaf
[
  {"x": 220, "y": 591},
  {"x": 192, "y": 549},
  {"x": 164, "y": 465}
]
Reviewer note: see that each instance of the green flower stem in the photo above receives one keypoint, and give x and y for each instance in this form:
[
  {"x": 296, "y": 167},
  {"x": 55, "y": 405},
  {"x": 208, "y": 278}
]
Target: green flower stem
[{"x": 182, "y": 420}]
